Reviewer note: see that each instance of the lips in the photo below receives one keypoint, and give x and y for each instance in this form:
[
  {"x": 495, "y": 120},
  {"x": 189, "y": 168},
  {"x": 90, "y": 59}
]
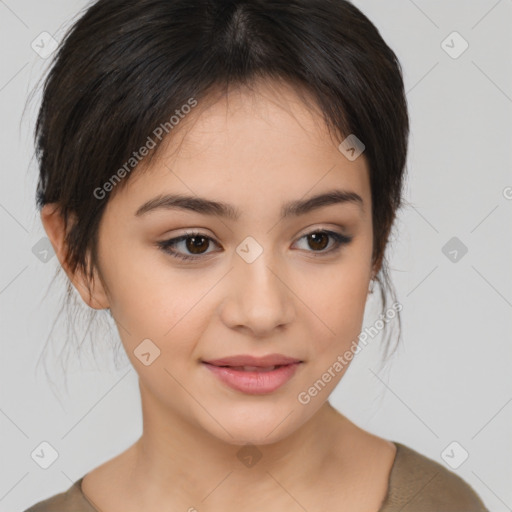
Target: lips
[
  {"x": 253, "y": 368},
  {"x": 254, "y": 375}
]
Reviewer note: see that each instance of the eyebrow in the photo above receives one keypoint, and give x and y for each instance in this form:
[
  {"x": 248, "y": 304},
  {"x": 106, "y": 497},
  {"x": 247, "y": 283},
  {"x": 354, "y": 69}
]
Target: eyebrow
[{"x": 208, "y": 207}]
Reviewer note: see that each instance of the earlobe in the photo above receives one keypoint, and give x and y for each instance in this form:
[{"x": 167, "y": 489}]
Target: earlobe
[
  {"x": 93, "y": 295},
  {"x": 373, "y": 276},
  {"x": 53, "y": 222}
]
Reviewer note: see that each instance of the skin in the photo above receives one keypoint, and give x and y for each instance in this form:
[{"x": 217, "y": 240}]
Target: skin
[{"x": 256, "y": 152}]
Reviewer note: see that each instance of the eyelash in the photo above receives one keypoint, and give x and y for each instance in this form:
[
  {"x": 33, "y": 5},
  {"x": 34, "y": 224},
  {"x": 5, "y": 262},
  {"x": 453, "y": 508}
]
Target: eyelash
[{"x": 339, "y": 241}]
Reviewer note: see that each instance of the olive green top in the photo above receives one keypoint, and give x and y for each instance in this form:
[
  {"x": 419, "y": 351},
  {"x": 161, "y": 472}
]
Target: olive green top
[{"x": 416, "y": 484}]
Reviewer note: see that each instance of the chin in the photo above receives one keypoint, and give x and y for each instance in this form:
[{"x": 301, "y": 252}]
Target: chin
[{"x": 262, "y": 432}]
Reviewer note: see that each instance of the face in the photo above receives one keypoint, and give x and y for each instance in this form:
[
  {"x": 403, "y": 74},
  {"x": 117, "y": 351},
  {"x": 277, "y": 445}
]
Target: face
[{"x": 193, "y": 283}]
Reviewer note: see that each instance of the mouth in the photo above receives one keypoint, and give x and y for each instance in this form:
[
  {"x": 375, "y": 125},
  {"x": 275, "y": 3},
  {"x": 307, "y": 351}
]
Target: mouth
[
  {"x": 247, "y": 360},
  {"x": 254, "y": 380},
  {"x": 251, "y": 368}
]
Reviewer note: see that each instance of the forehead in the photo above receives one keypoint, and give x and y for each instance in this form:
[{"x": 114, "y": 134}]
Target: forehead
[
  {"x": 260, "y": 141},
  {"x": 256, "y": 115}
]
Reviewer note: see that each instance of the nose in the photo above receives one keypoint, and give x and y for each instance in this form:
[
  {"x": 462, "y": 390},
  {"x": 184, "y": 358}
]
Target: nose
[{"x": 259, "y": 297}]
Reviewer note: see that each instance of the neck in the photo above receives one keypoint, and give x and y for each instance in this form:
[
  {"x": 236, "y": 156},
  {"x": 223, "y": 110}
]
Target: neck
[{"x": 175, "y": 460}]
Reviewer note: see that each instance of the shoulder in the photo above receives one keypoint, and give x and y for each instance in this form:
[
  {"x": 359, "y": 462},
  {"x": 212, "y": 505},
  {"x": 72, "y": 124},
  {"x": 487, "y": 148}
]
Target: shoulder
[
  {"x": 71, "y": 500},
  {"x": 418, "y": 483}
]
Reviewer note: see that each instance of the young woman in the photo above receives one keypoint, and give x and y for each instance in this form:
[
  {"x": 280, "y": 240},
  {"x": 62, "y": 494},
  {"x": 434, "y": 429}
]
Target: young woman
[{"x": 223, "y": 176}]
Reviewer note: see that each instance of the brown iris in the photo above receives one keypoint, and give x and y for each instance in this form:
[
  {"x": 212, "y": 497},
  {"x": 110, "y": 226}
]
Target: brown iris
[
  {"x": 196, "y": 242},
  {"x": 315, "y": 238}
]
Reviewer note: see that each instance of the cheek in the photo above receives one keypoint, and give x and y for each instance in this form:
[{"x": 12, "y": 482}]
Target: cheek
[
  {"x": 335, "y": 336},
  {"x": 336, "y": 306},
  {"x": 150, "y": 300}
]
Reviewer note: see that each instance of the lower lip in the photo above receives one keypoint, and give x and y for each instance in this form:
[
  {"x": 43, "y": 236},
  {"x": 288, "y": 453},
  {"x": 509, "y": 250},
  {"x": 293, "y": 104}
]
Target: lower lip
[{"x": 254, "y": 383}]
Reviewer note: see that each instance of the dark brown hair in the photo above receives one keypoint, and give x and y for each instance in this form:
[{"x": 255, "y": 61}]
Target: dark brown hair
[{"x": 126, "y": 66}]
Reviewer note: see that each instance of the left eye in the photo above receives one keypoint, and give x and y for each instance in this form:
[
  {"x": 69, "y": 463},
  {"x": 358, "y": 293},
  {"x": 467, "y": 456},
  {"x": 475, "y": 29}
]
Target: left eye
[
  {"x": 319, "y": 240},
  {"x": 196, "y": 243}
]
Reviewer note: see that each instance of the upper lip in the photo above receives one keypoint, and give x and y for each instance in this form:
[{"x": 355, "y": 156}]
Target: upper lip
[{"x": 248, "y": 360}]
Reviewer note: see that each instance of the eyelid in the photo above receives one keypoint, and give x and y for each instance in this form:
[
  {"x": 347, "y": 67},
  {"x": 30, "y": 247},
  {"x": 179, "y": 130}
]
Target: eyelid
[
  {"x": 164, "y": 244},
  {"x": 340, "y": 240}
]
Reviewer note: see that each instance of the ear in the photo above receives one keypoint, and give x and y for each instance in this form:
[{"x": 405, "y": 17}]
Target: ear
[
  {"x": 373, "y": 274},
  {"x": 93, "y": 295}
]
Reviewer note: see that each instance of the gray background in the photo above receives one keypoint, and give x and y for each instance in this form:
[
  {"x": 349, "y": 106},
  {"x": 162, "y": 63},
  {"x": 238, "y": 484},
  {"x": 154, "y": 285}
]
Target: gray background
[{"x": 450, "y": 380}]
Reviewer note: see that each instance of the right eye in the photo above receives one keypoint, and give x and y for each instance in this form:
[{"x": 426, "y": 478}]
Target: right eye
[{"x": 192, "y": 241}]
